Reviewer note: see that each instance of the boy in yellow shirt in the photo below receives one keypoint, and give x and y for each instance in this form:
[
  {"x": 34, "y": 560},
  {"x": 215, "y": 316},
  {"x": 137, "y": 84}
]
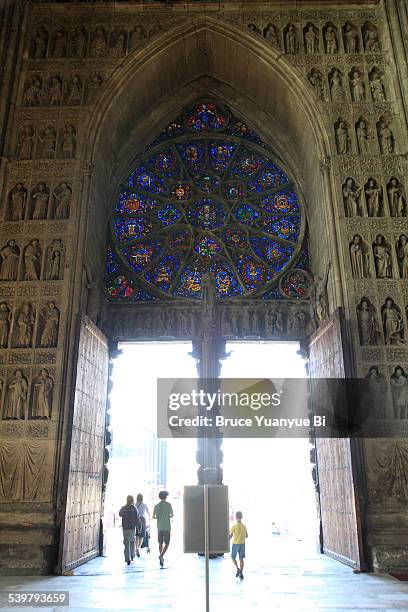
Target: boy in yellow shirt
[{"x": 239, "y": 533}]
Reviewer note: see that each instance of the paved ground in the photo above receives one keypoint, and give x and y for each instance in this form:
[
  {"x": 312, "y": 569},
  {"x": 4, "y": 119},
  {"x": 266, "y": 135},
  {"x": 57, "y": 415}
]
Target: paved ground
[{"x": 289, "y": 577}]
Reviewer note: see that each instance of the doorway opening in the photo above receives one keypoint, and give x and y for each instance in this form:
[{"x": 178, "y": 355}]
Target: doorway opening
[{"x": 270, "y": 479}]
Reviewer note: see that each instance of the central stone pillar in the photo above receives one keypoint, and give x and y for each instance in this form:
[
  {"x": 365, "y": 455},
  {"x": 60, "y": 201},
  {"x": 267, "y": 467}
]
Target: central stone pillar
[{"x": 209, "y": 349}]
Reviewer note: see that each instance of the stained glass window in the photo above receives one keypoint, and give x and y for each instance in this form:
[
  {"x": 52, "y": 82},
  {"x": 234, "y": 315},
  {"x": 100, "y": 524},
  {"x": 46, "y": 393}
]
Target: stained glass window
[{"x": 206, "y": 195}]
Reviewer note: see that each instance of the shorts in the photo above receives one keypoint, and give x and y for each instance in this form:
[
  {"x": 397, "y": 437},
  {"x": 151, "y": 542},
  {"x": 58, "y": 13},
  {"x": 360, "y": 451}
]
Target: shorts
[
  {"x": 163, "y": 536},
  {"x": 238, "y": 549}
]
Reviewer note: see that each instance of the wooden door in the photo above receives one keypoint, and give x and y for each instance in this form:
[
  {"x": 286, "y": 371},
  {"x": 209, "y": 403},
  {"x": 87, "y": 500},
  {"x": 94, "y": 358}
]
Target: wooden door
[
  {"x": 81, "y": 520},
  {"x": 337, "y": 458}
]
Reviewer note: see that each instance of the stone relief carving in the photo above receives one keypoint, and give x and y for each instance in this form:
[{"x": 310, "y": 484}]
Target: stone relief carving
[
  {"x": 331, "y": 38},
  {"x": 32, "y": 260},
  {"x": 118, "y": 44},
  {"x": 17, "y": 203},
  {"x": 343, "y": 140},
  {"x": 396, "y": 199},
  {"x": 351, "y": 198},
  {"x": 24, "y": 326},
  {"x": 311, "y": 39},
  {"x": 54, "y": 91},
  {"x": 25, "y": 142},
  {"x": 39, "y": 202},
  {"x": 39, "y": 44},
  {"x": 377, "y": 392},
  {"x": 291, "y": 39},
  {"x": 370, "y": 38},
  {"x": 98, "y": 43},
  {"x": 42, "y": 389},
  {"x": 10, "y": 257},
  {"x": 24, "y": 472},
  {"x": 357, "y": 87},
  {"x": 49, "y": 324},
  {"x": 399, "y": 390},
  {"x": 350, "y": 38},
  {"x": 382, "y": 257},
  {"x": 364, "y": 136},
  {"x": 33, "y": 92},
  {"x": 368, "y": 328},
  {"x": 62, "y": 201},
  {"x": 16, "y": 398},
  {"x": 393, "y": 324},
  {"x": 318, "y": 296},
  {"x": 73, "y": 91},
  {"x": 272, "y": 35},
  {"x": 337, "y": 90},
  {"x": 68, "y": 142},
  {"x": 316, "y": 81},
  {"x": 359, "y": 257},
  {"x": 79, "y": 41},
  {"x": 402, "y": 255},
  {"x": 137, "y": 36},
  {"x": 373, "y": 196},
  {"x": 59, "y": 44},
  {"x": 93, "y": 87},
  {"x": 5, "y": 325},
  {"x": 385, "y": 136},
  {"x": 376, "y": 79},
  {"x": 53, "y": 269},
  {"x": 47, "y": 143}
]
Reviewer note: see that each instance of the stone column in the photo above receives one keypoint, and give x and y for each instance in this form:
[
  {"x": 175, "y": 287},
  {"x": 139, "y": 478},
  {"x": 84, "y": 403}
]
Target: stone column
[{"x": 396, "y": 12}]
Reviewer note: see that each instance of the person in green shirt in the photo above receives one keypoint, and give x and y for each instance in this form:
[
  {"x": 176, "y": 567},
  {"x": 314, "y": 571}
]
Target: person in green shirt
[{"x": 163, "y": 512}]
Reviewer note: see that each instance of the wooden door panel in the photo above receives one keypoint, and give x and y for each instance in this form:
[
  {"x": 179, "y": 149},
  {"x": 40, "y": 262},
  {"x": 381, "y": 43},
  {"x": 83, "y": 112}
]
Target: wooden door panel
[
  {"x": 84, "y": 467},
  {"x": 339, "y": 503}
]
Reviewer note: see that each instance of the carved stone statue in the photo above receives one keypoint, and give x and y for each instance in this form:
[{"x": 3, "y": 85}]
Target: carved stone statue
[
  {"x": 68, "y": 142},
  {"x": 18, "y": 199},
  {"x": 343, "y": 140},
  {"x": 55, "y": 92},
  {"x": 396, "y": 198},
  {"x": 270, "y": 322},
  {"x": 93, "y": 88},
  {"x": 98, "y": 43},
  {"x": 370, "y": 37},
  {"x": 367, "y": 323},
  {"x": 364, "y": 135},
  {"x": 32, "y": 260},
  {"x": 26, "y": 139},
  {"x": 40, "y": 197},
  {"x": 48, "y": 140},
  {"x": 117, "y": 44},
  {"x": 5, "y": 322},
  {"x": 42, "y": 395},
  {"x": 32, "y": 93},
  {"x": 399, "y": 391},
  {"x": 336, "y": 86},
  {"x": 351, "y": 197},
  {"x": 373, "y": 194},
  {"x": 316, "y": 81},
  {"x": 254, "y": 28},
  {"x": 78, "y": 43},
  {"x": 25, "y": 326},
  {"x": 63, "y": 196},
  {"x": 74, "y": 91},
  {"x": 311, "y": 40},
  {"x": 360, "y": 265},
  {"x": 50, "y": 324},
  {"x": 377, "y": 85},
  {"x": 377, "y": 391},
  {"x": 330, "y": 39},
  {"x": 137, "y": 35},
  {"x": 59, "y": 44},
  {"x": 16, "y": 396},
  {"x": 402, "y": 255},
  {"x": 318, "y": 295},
  {"x": 10, "y": 255},
  {"x": 393, "y": 323},
  {"x": 53, "y": 266},
  {"x": 291, "y": 39},
  {"x": 270, "y": 34},
  {"x": 350, "y": 38},
  {"x": 40, "y": 44},
  {"x": 386, "y": 137},
  {"x": 357, "y": 86},
  {"x": 382, "y": 258}
]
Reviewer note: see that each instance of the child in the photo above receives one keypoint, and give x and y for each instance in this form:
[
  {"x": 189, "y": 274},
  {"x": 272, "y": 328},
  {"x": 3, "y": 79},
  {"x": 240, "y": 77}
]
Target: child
[{"x": 239, "y": 533}]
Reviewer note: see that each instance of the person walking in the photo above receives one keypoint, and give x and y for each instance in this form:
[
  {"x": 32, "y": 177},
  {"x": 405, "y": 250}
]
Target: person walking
[
  {"x": 143, "y": 512},
  {"x": 163, "y": 512},
  {"x": 130, "y": 521},
  {"x": 239, "y": 533}
]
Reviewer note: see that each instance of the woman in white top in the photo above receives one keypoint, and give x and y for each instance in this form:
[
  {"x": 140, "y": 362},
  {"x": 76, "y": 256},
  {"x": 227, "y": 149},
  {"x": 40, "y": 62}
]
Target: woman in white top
[{"x": 143, "y": 511}]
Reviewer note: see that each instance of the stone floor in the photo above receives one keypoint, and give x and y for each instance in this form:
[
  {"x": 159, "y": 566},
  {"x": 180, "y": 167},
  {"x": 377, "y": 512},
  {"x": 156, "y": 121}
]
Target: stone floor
[{"x": 291, "y": 577}]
